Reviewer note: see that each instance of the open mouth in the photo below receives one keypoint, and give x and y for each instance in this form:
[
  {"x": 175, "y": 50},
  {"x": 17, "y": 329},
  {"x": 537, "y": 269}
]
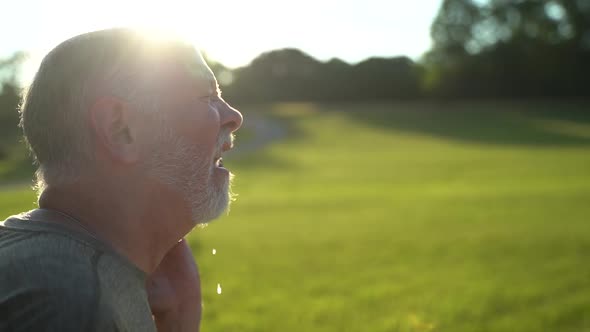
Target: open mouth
[{"x": 219, "y": 162}]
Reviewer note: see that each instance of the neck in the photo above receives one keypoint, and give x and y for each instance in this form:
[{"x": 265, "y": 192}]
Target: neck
[{"x": 132, "y": 222}]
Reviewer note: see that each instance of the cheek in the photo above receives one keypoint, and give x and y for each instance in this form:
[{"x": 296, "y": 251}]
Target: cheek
[
  {"x": 202, "y": 129},
  {"x": 209, "y": 123}
]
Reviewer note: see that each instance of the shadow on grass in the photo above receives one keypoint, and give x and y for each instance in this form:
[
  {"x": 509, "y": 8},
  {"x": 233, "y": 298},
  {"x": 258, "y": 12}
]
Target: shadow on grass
[{"x": 501, "y": 123}]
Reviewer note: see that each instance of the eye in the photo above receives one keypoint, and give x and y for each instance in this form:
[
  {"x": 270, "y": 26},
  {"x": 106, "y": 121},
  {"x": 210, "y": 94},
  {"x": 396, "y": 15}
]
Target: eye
[
  {"x": 214, "y": 99},
  {"x": 210, "y": 99},
  {"x": 206, "y": 99}
]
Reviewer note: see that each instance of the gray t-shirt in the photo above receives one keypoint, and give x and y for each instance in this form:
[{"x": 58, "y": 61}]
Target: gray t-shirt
[{"x": 57, "y": 278}]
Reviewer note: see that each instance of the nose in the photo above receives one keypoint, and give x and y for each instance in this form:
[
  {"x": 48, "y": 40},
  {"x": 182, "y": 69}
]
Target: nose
[{"x": 231, "y": 117}]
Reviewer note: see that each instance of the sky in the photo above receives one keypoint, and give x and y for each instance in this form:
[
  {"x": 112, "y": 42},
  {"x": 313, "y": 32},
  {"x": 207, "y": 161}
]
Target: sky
[{"x": 232, "y": 32}]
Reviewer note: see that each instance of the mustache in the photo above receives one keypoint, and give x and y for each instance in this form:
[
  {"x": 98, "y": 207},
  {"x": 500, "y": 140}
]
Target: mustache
[{"x": 226, "y": 137}]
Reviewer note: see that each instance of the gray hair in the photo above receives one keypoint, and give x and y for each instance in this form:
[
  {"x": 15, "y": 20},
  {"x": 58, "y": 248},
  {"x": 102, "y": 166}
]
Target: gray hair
[{"x": 117, "y": 62}]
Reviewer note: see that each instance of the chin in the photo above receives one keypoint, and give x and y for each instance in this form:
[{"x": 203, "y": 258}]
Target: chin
[
  {"x": 217, "y": 203},
  {"x": 216, "y": 212}
]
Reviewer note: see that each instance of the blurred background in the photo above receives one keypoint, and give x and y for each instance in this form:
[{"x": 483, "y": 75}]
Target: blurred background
[{"x": 403, "y": 165}]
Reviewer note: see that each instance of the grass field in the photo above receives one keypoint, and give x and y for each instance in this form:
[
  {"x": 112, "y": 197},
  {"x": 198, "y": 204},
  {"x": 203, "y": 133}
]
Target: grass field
[{"x": 403, "y": 217}]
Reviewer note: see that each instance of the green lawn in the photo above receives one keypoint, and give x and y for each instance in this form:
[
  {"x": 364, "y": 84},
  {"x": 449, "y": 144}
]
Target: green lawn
[{"x": 404, "y": 217}]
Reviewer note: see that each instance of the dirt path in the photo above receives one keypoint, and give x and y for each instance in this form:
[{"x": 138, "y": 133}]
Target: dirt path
[{"x": 264, "y": 130}]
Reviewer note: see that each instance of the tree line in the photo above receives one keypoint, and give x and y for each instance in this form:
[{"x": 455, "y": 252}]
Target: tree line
[
  {"x": 481, "y": 49},
  {"x": 509, "y": 48}
]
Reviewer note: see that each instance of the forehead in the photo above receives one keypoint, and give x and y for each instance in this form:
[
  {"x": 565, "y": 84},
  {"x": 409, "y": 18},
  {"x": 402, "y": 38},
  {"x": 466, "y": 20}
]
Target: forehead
[
  {"x": 197, "y": 68},
  {"x": 187, "y": 73}
]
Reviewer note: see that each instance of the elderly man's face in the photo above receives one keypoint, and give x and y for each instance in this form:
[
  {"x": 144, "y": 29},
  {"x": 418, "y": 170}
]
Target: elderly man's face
[{"x": 196, "y": 127}]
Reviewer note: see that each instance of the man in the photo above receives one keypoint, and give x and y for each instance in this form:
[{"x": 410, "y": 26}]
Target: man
[{"x": 128, "y": 132}]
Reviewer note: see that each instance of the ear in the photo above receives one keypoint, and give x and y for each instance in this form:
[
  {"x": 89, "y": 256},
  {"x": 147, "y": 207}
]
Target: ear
[{"x": 112, "y": 123}]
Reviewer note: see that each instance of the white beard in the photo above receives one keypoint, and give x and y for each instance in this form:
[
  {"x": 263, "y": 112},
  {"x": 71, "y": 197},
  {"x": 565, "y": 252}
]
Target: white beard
[{"x": 188, "y": 170}]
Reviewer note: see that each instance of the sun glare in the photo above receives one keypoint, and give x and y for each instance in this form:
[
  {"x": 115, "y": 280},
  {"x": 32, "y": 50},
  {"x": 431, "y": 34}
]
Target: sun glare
[
  {"x": 234, "y": 32},
  {"x": 193, "y": 21}
]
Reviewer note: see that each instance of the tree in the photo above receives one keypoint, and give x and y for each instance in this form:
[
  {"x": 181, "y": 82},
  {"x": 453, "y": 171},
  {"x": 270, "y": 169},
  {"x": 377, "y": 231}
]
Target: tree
[
  {"x": 9, "y": 101},
  {"x": 9, "y": 94},
  {"x": 510, "y": 48},
  {"x": 291, "y": 75}
]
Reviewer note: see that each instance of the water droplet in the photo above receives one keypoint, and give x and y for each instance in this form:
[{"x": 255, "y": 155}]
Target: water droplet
[
  {"x": 214, "y": 251},
  {"x": 218, "y": 288}
]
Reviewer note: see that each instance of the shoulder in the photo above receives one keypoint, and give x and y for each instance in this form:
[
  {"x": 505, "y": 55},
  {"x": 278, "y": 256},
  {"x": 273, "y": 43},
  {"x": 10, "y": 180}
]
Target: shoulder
[
  {"x": 48, "y": 282},
  {"x": 43, "y": 256}
]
